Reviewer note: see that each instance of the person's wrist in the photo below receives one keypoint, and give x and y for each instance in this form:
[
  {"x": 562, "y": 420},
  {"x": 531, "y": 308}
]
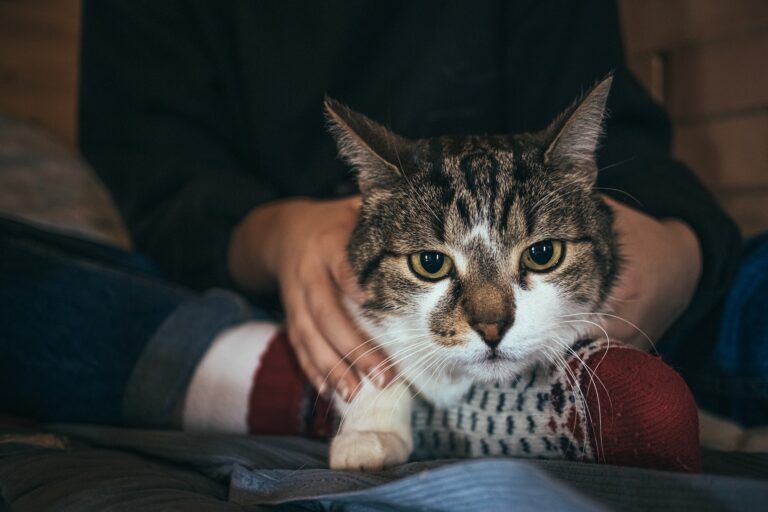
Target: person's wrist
[
  {"x": 688, "y": 247},
  {"x": 254, "y": 247}
]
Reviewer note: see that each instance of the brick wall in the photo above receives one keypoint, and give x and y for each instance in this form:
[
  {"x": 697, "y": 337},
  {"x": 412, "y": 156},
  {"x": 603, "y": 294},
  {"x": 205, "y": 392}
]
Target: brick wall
[{"x": 707, "y": 62}]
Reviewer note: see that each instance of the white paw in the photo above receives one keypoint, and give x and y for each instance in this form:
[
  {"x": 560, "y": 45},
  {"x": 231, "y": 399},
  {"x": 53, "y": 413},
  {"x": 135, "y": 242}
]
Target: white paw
[{"x": 367, "y": 451}]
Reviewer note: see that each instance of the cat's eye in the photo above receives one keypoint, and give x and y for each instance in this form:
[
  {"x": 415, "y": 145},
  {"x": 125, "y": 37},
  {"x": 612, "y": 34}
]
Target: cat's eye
[
  {"x": 430, "y": 265},
  {"x": 543, "y": 256}
]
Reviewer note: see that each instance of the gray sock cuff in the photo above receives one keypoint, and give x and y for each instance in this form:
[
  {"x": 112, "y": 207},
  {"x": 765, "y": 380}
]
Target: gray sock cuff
[{"x": 159, "y": 381}]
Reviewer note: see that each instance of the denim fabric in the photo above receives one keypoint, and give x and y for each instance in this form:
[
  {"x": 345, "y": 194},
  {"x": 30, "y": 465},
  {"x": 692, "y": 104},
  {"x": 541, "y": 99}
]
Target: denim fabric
[
  {"x": 75, "y": 316},
  {"x": 289, "y": 473},
  {"x": 161, "y": 376},
  {"x": 486, "y": 484},
  {"x": 735, "y": 382}
]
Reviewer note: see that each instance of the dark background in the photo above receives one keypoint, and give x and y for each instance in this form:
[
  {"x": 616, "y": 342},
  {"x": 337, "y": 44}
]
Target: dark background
[{"x": 705, "y": 60}]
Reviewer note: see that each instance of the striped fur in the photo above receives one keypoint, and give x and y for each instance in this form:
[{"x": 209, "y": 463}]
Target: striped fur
[{"x": 482, "y": 200}]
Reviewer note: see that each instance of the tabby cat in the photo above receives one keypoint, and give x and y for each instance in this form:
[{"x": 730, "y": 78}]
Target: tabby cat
[{"x": 476, "y": 253}]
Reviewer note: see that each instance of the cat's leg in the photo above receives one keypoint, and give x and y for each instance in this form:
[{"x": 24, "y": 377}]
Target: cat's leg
[{"x": 376, "y": 429}]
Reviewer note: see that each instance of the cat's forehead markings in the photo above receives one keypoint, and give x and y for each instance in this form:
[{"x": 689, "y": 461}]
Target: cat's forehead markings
[
  {"x": 479, "y": 231},
  {"x": 460, "y": 261}
]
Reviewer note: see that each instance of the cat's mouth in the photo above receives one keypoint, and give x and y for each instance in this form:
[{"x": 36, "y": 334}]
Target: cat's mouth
[{"x": 494, "y": 356}]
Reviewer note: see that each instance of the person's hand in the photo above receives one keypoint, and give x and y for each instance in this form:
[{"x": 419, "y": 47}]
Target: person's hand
[
  {"x": 660, "y": 271},
  {"x": 300, "y": 246}
]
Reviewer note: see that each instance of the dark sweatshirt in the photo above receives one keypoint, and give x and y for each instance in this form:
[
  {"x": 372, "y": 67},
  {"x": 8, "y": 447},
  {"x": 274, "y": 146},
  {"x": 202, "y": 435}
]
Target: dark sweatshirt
[{"x": 193, "y": 112}]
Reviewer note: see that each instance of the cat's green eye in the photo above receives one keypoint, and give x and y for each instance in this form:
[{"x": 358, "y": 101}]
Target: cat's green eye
[
  {"x": 430, "y": 265},
  {"x": 543, "y": 256}
]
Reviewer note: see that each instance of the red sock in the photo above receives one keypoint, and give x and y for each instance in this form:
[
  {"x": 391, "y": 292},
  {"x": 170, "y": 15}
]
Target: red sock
[
  {"x": 249, "y": 381},
  {"x": 282, "y": 400},
  {"x": 647, "y": 417}
]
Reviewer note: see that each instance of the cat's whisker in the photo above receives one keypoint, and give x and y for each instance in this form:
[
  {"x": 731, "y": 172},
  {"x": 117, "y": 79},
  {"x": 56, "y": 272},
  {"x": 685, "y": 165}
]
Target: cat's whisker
[
  {"x": 428, "y": 360},
  {"x": 414, "y": 192},
  {"x": 397, "y": 358},
  {"x": 552, "y": 195},
  {"x": 344, "y": 358},
  {"x": 376, "y": 371},
  {"x": 435, "y": 370},
  {"x": 636, "y": 200},
  {"x": 378, "y": 344},
  {"x": 622, "y": 319},
  {"x": 607, "y": 340},
  {"x": 431, "y": 364},
  {"x": 420, "y": 333},
  {"x": 376, "y": 398},
  {"x": 571, "y": 351},
  {"x": 576, "y": 388},
  {"x": 557, "y": 360},
  {"x": 616, "y": 164},
  {"x": 593, "y": 377},
  {"x": 393, "y": 360}
]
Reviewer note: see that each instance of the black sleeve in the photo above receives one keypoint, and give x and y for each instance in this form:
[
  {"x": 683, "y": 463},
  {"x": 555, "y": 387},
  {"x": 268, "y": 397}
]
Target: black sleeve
[
  {"x": 573, "y": 45},
  {"x": 159, "y": 126}
]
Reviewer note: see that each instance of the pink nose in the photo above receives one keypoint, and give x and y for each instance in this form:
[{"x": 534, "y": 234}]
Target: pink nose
[{"x": 490, "y": 332}]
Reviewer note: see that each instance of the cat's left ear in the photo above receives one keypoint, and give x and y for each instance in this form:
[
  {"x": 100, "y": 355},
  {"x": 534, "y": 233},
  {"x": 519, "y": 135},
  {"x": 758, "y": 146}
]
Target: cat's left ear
[
  {"x": 379, "y": 155},
  {"x": 573, "y": 137}
]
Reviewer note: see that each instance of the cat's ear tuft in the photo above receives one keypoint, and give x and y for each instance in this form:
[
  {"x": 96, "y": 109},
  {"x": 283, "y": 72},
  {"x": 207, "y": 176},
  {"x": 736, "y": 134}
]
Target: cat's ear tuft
[
  {"x": 376, "y": 153},
  {"x": 574, "y": 136}
]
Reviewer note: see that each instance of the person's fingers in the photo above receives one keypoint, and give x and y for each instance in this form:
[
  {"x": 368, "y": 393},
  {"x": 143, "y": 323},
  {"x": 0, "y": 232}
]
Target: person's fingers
[
  {"x": 345, "y": 278},
  {"x": 332, "y": 373},
  {"x": 305, "y": 362},
  {"x": 336, "y": 326},
  {"x": 354, "y": 203}
]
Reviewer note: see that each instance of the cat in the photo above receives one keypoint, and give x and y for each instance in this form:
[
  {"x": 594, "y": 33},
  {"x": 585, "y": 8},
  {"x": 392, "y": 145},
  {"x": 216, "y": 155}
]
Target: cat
[{"x": 475, "y": 253}]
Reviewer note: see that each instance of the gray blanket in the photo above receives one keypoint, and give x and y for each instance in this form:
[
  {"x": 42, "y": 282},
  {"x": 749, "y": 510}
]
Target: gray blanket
[{"x": 94, "y": 468}]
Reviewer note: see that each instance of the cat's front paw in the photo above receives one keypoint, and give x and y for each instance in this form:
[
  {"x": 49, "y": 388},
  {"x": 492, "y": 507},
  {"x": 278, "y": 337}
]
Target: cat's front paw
[{"x": 367, "y": 451}]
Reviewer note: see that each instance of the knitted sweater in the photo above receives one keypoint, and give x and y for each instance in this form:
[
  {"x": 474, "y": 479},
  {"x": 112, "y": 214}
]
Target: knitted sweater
[{"x": 541, "y": 413}]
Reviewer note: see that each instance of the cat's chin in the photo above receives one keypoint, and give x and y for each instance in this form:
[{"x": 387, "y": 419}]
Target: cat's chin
[{"x": 498, "y": 368}]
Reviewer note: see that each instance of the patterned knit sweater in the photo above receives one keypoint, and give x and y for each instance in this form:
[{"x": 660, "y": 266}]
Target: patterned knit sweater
[
  {"x": 539, "y": 414},
  {"x": 639, "y": 411}
]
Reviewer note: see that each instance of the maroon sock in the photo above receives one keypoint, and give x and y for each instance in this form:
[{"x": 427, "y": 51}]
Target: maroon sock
[
  {"x": 645, "y": 415},
  {"x": 282, "y": 401},
  {"x": 641, "y": 412}
]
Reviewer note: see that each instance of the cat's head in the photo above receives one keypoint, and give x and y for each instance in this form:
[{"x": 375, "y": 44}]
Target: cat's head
[{"x": 482, "y": 253}]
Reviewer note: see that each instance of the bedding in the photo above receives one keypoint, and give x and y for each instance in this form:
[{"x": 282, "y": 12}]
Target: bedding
[{"x": 97, "y": 468}]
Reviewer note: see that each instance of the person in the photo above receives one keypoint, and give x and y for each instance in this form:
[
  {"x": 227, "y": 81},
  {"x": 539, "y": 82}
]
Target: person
[{"x": 204, "y": 121}]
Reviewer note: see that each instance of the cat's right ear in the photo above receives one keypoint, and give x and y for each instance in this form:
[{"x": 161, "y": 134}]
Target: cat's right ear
[
  {"x": 376, "y": 153},
  {"x": 574, "y": 136}
]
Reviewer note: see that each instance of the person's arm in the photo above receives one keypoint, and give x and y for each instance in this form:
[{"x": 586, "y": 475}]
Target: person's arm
[
  {"x": 161, "y": 124},
  {"x": 300, "y": 244},
  {"x": 680, "y": 247},
  {"x": 687, "y": 270}
]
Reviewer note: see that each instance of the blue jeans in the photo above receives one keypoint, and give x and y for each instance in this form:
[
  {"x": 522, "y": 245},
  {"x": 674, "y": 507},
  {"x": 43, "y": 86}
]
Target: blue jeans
[
  {"x": 90, "y": 333},
  {"x": 732, "y": 380}
]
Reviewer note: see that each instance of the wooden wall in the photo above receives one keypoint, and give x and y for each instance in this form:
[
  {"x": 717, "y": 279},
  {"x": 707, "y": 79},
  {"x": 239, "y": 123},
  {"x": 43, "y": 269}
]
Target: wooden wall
[
  {"x": 706, "y": 60},
  {"x": 38, "y": 62}
]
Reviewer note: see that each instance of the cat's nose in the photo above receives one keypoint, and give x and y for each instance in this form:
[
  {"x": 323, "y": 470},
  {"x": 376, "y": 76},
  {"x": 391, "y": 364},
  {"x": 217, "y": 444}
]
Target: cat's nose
[{"x": 491, "y": 333}]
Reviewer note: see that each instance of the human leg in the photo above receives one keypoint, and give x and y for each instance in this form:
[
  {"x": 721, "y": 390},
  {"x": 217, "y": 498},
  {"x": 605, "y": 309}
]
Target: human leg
[
  {"x": 91, "y": 333},
  {"x": 733, "y": 382},
  {"x": 75, "y": 316}
]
